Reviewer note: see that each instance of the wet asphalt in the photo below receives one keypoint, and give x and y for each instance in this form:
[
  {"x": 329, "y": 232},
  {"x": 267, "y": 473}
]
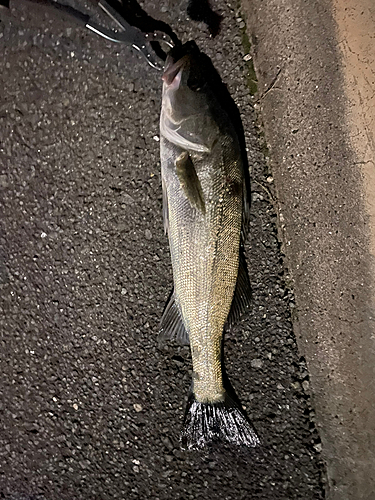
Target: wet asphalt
[{"x": 90, "y": 407}]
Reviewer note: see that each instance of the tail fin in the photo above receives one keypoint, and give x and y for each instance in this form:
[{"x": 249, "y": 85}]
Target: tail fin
[{"x": 224, "y": 421}]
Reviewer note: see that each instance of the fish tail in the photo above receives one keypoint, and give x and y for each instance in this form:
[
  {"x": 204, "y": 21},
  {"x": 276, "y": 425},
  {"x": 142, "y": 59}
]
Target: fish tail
[{"x": 223, "y": 421}]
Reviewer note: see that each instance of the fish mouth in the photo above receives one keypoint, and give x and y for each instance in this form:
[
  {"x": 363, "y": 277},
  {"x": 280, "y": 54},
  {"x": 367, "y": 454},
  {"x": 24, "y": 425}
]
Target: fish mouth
[{"x": 174, "y": 68}]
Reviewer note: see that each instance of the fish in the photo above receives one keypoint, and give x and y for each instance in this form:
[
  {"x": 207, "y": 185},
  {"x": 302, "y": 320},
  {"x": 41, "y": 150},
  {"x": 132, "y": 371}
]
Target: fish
[{"x": 204, "y": 208}]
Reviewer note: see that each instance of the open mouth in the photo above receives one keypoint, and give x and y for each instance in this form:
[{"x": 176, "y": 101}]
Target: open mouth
[{"x": 173, "y": 69}]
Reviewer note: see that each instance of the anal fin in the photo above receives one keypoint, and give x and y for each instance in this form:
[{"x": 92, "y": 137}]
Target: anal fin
[{"x": 171, "y": 325}]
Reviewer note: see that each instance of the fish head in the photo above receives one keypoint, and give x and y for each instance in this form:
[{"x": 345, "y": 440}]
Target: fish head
[{"x": 187, "y": 117}]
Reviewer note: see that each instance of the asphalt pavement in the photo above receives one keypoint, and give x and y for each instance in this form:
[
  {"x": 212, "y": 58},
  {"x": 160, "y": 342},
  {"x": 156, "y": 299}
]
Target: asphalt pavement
[{"x": 90, "y": 407}]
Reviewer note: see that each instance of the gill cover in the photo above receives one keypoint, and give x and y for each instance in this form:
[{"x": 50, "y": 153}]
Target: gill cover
[{"x": 186, "y": 119}]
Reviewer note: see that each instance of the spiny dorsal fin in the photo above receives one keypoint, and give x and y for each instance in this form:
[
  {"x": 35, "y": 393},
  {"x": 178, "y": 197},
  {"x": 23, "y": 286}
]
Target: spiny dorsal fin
[
  {"x": 171, "y": 324},
  {"x": 189, "y": 181}
]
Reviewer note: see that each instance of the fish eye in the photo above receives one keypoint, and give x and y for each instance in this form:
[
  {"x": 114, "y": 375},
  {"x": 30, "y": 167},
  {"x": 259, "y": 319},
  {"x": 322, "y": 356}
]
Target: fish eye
[
  {"x": 195, "y": 88},
  {"x": 195, "y": 83}
]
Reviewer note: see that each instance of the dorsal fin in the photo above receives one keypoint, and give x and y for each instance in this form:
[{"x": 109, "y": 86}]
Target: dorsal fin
[{"x": 242, "y": 294}]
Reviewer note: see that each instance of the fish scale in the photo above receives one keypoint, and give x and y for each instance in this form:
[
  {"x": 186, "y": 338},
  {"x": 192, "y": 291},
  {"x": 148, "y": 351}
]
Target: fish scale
[
  {"x": 204, "y": 251},
  {"x": 203, "y": 193}
]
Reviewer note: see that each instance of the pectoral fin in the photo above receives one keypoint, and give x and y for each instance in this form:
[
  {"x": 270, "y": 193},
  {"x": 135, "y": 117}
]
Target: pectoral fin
[{"x": 189, "y": 181}]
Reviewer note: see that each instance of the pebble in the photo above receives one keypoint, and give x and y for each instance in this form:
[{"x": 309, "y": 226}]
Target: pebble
[
  {"x": 127, "y": 199},
  {"x": 256, "y": 363},
  {"x": 137, "y": 407},
  {"x": 305, "y": 385},
  {"x": 167, "y": 442},
  {"x": 3, "y": 181},
  {"x": 257, "y": 196},
  {"x": 148, "y": 234}
]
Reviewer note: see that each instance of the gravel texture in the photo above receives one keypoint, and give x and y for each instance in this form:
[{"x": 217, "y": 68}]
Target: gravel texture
[{"x": 90, "y": 407}]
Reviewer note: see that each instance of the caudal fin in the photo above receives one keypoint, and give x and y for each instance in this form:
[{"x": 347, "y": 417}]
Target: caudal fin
[{"x": 224, "y": 421}]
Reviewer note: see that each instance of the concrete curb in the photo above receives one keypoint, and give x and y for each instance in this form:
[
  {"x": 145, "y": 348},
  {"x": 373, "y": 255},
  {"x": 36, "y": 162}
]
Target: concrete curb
[{"x": 315, "y": 70}]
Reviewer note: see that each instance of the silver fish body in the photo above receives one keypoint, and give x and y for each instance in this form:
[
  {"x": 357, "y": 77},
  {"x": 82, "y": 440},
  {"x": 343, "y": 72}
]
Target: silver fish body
[{"x": 203, "y": 196}]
